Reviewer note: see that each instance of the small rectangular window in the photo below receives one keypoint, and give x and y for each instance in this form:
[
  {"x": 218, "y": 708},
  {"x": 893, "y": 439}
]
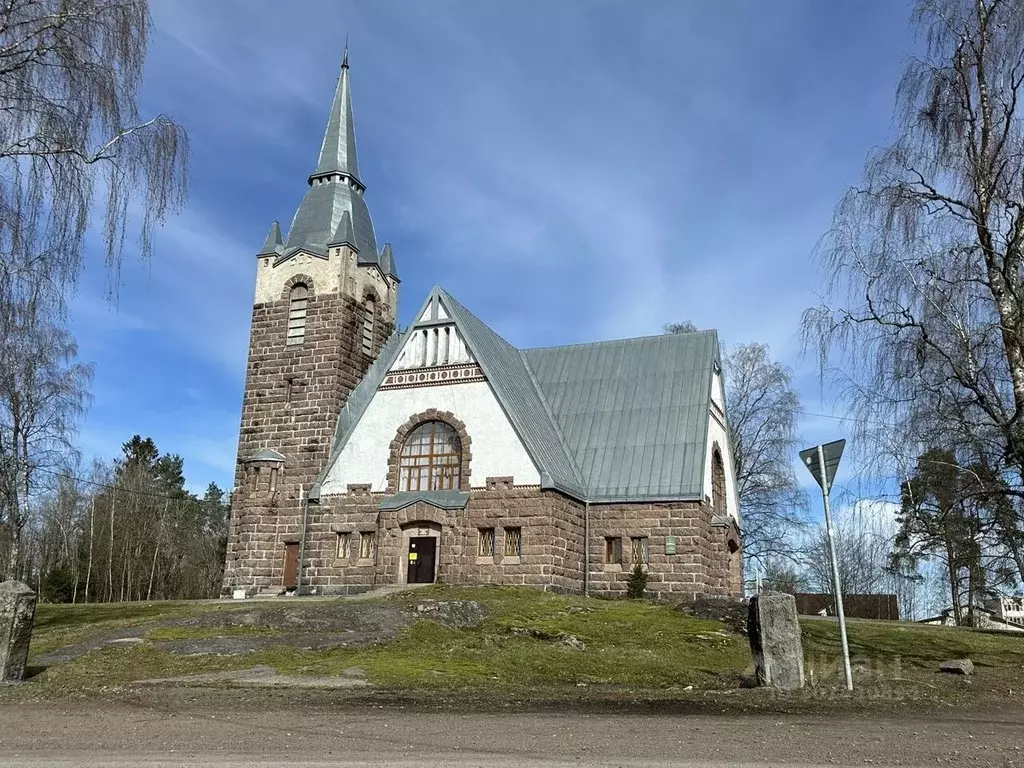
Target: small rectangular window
[
  {"x": 486, "y": 545},
  {"x": 365, "y": 546},
  {"x": 513, "y": 542},
  {"x": 254, "y": 479},
  {"x": 342, "y": 553},
  {"x": 612, "y": 549},
  {"x": 639, "y": 551},
  {"x": 273, "y": 479}
]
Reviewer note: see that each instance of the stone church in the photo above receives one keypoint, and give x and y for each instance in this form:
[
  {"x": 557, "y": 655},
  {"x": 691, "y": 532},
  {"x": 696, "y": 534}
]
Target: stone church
[{"x": 370, "y": 455}]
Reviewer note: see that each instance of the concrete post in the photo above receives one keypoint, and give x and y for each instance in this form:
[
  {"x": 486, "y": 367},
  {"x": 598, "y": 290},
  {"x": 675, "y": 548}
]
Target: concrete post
[
  {"x": 774, "y": 633},
  {"x": 17, "y": 612}
]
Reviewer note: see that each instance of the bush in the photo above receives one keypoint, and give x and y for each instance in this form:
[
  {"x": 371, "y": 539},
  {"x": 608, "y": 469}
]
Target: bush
[
  {"x": 637, "y": 584},
  {"x": 58, "y": 585}
]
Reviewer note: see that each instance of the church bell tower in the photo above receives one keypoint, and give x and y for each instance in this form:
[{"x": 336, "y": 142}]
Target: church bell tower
[{"x": 325, "y": 303}]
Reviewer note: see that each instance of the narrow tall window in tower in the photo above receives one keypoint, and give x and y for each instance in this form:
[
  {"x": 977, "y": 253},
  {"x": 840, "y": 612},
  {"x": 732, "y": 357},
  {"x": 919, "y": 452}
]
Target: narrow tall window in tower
[
  {"x": 369, "y": 318},
  {"x": 297, "y": 313},
  {"x": 718, "y": 482},
  {"x": 446, "y": 347}
]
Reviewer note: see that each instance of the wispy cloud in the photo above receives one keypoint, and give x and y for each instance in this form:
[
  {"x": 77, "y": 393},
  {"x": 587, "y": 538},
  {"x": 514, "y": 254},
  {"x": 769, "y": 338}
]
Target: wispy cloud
[{"x": 571, "y": 172}]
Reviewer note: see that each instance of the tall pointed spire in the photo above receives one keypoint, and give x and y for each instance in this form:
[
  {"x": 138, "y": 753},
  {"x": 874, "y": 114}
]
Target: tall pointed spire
[
  {"x": 338, "y": 152},
  {"x": 335, "y": 188}
]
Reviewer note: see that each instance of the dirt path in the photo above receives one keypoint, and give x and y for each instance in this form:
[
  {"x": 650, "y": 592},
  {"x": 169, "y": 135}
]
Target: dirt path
[{"x": 236, "y": 727}]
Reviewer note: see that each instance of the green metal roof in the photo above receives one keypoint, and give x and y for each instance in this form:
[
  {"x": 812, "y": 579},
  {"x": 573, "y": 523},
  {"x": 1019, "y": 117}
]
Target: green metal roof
[
  {"x": 439, "y": 499},
  {"x": 633, "y": 412},
  {"x": 612, "y": 421}
]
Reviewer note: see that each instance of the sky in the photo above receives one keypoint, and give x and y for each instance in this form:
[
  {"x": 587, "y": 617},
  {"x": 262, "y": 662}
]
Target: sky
[{"x": 571, "y": 172}]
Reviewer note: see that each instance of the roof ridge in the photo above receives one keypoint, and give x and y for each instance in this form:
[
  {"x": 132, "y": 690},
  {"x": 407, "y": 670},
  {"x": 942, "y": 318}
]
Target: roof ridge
[{"x": 689, "y": 334}]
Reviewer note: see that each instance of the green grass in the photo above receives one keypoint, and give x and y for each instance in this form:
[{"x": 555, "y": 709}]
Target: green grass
[
  {"x": 58, "y": 626},
  {"x": 634, "y": 646}
]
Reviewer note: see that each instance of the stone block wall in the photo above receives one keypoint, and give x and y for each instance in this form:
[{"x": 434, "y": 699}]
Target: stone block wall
[
  {"x": 552, "y": 529},
  {"x": 698, "y": 566},
  {"x": 293, "y": 398}
]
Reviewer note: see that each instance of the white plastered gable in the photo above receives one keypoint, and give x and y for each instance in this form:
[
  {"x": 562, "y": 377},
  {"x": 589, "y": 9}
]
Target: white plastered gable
[{"x": 496, "y": 449}]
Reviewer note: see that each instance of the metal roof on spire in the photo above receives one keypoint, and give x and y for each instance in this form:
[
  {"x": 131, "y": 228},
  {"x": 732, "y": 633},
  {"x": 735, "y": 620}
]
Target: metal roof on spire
[
  {"x": 338, "y": 152},
  {"x": 335, "y": 189}
]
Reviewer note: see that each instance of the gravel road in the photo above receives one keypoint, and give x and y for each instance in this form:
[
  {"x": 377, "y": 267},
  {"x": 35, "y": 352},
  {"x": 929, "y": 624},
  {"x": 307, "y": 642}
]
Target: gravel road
[{"x": 217, "y": 729}]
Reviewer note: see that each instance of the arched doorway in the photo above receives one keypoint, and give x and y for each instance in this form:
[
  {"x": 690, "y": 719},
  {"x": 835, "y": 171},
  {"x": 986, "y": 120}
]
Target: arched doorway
[{"x": 420, "y": 547}]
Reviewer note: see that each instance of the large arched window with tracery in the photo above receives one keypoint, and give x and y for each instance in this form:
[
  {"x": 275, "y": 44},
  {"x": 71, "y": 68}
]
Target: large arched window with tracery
[
  {"x": 431, "y": 458},
  {"x": 718, "y": 500}
]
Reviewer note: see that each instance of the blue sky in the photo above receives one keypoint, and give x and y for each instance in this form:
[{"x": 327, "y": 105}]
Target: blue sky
[{"x": 572, "y": 171}]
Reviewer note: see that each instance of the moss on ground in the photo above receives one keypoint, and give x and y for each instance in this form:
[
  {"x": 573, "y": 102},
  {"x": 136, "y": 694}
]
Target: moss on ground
[{"x": 630, "y": 646}]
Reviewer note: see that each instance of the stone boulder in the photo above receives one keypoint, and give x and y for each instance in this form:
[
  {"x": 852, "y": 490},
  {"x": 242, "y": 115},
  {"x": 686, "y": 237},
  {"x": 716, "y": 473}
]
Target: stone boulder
[
  {"x": 957, "y": 667},
  {"x": 774, "y": 633},
  {"x": 17, "y": 612}
]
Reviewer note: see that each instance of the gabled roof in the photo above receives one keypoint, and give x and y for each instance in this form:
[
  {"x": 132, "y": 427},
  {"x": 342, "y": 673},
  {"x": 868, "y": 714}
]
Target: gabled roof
[
  {"x": 344, "y": 234},
  {"x": 517, "y": 391},
  {"x": 439, "y": 499},
  {"x": 266, "y": 454},
  {"x": 634, "y": 412},
  {"x": 612, "y": 421}
]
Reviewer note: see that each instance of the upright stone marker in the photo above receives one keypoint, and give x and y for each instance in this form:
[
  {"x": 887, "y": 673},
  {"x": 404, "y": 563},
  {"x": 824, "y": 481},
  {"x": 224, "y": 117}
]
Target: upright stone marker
[
  {"x": 774, "y": 633},
  {"x": 17, "y": 611}
]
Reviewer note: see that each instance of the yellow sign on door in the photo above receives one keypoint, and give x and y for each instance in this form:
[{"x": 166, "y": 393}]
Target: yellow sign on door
[{"x": 412, "y": 556}]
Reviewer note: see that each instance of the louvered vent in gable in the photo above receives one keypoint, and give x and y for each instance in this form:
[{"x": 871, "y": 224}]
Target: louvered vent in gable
[
  {"x": 297, "y": 305},
  {"x": 439, "y": 345},
  {"x": 369, "y": 319}
]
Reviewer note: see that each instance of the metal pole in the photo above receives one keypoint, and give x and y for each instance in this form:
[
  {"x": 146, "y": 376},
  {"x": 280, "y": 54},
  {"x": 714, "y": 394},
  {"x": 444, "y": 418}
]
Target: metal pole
[
  {"x": 302, "y": 543},
  {"x": 586, "y": 549},
  {"x": 826, "y": 490}
]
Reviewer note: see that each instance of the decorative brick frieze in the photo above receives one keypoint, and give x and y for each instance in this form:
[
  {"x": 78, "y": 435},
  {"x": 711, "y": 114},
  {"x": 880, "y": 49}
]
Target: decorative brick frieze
[
  {"x": 433, "y": 376},
  {"x": 431, "y": 414}
]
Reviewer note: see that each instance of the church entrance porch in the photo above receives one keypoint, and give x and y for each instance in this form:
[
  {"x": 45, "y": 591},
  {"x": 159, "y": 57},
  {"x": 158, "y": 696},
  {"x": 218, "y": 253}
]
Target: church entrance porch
[
  {"x": 417, "y": 553},
  {"x": 422, "y": 558}
]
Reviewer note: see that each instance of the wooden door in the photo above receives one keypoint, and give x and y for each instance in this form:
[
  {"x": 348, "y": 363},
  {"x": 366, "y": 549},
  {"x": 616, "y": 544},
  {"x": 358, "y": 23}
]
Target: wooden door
[
  {"x": 291, "y": 565},
  {"x": 422, "y": 557}
]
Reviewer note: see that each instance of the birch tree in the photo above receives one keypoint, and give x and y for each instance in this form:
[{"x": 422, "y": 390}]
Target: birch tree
[{"x": 922, "y": 325}]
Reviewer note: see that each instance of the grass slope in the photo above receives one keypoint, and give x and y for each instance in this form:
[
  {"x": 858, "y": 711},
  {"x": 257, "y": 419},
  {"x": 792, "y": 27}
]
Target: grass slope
[{"x": 631, "y": 646}]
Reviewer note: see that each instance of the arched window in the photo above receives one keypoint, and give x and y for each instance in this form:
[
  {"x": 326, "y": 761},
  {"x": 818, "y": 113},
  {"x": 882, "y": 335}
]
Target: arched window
[
  {"x": 718, "y": 500},
  {"x": 297, "y": 299},
  {"x": 431, "y": 458}
]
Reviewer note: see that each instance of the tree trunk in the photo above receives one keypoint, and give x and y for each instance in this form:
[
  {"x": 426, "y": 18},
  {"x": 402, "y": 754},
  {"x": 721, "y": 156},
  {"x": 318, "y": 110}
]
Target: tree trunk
[
  {"x": 88, "y": 570},
  {"x": 954, "y": 583},
  {"x": 110, "y": 559}
]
